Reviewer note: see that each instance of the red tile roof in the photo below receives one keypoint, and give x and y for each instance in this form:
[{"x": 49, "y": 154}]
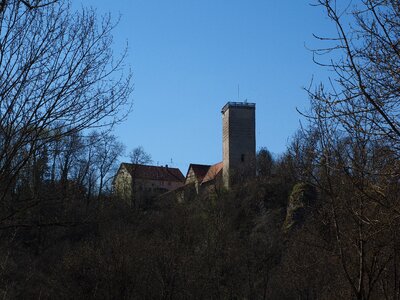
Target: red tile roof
[
  {"x": 199, "y": 171},
  {"x": 154, "y": 172},
  {"x": 213, "y": 171}
]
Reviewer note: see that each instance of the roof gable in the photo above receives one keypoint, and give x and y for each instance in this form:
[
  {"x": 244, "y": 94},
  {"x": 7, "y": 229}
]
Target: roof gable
[
  {"x": 199, "y": 171},
  {"x": 213, "y": 172}
]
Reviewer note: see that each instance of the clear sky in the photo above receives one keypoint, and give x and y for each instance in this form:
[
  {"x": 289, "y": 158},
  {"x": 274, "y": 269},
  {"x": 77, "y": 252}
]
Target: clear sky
[{"x": 188, "y": 58}]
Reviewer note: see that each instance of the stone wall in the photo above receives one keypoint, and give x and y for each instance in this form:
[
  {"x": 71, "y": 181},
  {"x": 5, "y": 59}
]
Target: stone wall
[{"x": 238, "y": 141}]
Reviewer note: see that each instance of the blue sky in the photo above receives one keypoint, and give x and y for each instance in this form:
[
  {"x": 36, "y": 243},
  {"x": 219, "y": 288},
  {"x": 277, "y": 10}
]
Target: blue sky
[{"x": 188, "y": 58}]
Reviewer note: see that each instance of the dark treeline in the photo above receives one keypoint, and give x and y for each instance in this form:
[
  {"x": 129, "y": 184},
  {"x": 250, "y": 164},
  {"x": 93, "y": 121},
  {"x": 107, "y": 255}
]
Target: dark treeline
[
  {"x": 320, "y": 221},
  {"x": 283, "y": 235},
  {"x": 221, "y": 245}
]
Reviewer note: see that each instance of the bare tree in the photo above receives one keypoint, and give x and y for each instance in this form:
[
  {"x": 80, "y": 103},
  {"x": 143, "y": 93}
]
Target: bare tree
[
  {"x": 365, "y": 59},
  {"x": 355, "y": 138},
  {"x": 58, "y": 76},
  {"x": 138, "y": 156},
  {"x": 34, "y": 4},
  {"x": 108, "y": 149},
  {"x": 264, "y": 162}
]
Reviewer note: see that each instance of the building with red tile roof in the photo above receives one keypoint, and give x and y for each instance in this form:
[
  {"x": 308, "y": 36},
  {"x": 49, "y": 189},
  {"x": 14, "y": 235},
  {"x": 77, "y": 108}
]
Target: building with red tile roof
[
  {"x": 195, "y": 175},
  {"x": 146, "y": 181}
]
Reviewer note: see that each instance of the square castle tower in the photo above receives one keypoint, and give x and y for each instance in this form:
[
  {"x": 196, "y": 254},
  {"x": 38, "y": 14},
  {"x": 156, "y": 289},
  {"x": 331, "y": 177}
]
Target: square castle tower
[{"x": 238, "y": 142}]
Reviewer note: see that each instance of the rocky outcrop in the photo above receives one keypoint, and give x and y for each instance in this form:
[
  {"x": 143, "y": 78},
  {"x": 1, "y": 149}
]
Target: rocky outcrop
[{"x": 301, "y": 201}]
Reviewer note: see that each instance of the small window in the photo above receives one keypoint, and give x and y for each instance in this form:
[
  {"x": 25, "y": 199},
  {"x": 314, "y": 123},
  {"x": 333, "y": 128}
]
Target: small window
[{"x": 242, "y": 158}]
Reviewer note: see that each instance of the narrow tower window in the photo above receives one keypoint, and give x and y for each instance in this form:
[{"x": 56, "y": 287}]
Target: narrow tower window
[{"x": 242, "y": 158}]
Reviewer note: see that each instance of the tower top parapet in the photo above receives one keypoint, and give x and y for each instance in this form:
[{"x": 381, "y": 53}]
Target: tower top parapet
[{"x": 238, "y": 105}]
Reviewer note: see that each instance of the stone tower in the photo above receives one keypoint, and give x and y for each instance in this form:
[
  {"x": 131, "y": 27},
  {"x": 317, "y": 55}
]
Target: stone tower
[{"x": 238, "y": 142}]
